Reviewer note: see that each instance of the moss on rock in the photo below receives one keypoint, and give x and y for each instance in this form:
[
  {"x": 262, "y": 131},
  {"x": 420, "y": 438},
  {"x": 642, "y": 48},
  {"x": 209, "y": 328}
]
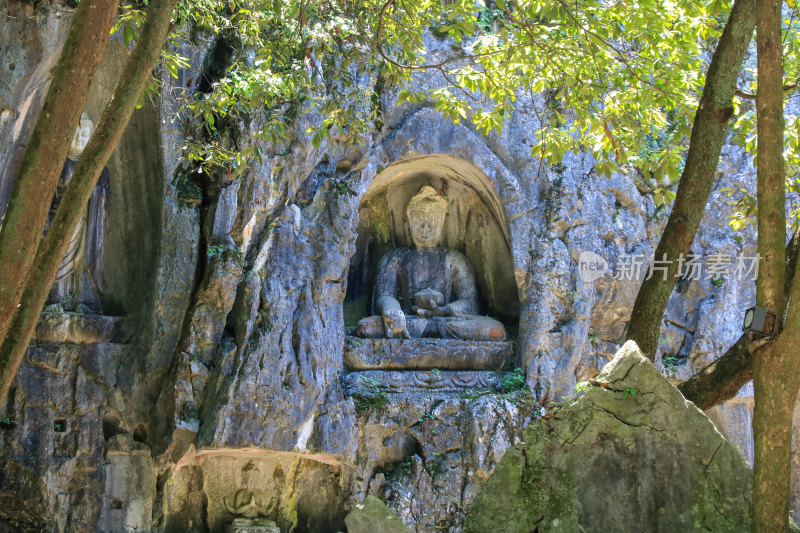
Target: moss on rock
[{"x": 631, "y": 454}]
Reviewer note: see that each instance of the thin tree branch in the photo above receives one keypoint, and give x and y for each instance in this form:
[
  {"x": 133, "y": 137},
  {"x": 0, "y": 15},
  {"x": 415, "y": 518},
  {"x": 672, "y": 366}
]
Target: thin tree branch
[{"x": 750, "y": 96}]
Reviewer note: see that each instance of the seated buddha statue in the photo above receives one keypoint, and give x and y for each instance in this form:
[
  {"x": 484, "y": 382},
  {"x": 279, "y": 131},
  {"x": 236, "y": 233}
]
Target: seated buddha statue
[{"x": 427, "y": 290}]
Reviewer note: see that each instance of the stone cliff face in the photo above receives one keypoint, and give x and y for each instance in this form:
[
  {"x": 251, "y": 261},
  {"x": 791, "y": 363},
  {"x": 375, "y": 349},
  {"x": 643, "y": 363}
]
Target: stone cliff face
[{"x": 232, "y": 336}]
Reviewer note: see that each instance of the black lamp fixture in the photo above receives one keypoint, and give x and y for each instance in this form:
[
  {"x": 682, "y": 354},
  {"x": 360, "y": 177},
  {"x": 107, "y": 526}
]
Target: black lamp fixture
[{"x": 759, "y": 321}]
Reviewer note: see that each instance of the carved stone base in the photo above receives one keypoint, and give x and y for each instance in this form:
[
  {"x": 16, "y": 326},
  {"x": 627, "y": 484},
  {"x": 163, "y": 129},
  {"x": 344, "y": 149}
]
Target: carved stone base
[
  {"x": 79, "y": 328},
  {"x": 427, "y": 354},
  {"x": 252, "y": 525},
  {"x": 419, "y": 381}
]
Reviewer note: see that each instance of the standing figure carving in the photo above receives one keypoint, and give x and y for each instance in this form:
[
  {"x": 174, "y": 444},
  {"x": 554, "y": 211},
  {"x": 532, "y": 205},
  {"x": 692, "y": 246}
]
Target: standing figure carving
[
  {"x": 77, "y": 286},
  {"x": 428, "y": 290}
]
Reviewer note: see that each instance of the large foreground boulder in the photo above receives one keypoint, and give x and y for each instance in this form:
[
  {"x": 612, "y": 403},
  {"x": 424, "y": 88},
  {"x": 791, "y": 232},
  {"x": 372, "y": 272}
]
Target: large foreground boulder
[{"x": 631, "y": 454}]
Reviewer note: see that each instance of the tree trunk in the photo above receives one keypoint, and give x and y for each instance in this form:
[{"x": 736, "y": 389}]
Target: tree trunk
[
  {"x": 41, "y": 165},
  {"x": 774, "y": 376},
  {"x": 105, "y": 138},
  {"x": 708, "y": 136}
]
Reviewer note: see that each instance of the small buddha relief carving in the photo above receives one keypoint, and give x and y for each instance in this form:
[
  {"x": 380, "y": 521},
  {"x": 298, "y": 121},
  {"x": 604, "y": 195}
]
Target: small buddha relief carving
[
  {"x": 250, "y": 499},
  {"x": 427, "y": 290},
  {"x": 77, "y": 286}
]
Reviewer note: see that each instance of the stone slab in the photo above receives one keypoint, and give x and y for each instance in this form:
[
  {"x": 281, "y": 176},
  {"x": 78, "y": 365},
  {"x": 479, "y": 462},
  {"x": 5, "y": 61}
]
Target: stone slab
[
  {"x": 427, "y": 354},
  {"x": 239, "y": 488},
  {"x": 79, "y": 328},
  {"x": 252, "y": 525},
  {"x": 420, "y": 381}
]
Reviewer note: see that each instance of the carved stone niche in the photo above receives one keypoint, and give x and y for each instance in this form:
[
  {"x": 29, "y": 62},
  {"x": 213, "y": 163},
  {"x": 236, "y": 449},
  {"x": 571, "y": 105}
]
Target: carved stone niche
[
  {"x": 256, "y": 491},
  {"x": 115, "y": 254},
  {"x": 475, "y": 226}
]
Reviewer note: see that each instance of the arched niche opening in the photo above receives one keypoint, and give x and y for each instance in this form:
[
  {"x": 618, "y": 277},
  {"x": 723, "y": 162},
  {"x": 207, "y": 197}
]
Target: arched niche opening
[{"x": 475, "y": 226}]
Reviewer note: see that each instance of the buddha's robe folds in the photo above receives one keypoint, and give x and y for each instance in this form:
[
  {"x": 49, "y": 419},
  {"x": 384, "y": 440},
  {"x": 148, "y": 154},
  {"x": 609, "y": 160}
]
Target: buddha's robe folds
[{"x": 405, "y": 272}]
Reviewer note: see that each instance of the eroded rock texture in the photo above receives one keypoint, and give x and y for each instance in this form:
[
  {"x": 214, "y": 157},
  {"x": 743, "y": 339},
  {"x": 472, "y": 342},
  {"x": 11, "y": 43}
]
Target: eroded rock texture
[
  {"x": 57, "y": 475},
  {"x": 427, "y": 458},
  {"x": 629, "y": 455}
]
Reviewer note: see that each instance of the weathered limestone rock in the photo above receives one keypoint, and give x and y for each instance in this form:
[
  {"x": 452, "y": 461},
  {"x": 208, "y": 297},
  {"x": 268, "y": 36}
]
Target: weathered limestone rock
[
  {"x": 130, "y": 486},
  {"x": 266, "y": 371},
  {"x": 427, "y": 457},
  {"x": 53, "y": 437},
  {"x": 373, "y": 515},
  {"x": 629, "y": 455},
  {"x": 78, "y": 281}
]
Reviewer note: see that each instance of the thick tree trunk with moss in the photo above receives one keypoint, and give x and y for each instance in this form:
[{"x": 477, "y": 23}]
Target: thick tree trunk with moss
[
  {"x": 41, "y": 165},
  {"x": 708, "y": 136},
  {"x": 775, "y": 371},
  {"x": 105, "y": 138}
]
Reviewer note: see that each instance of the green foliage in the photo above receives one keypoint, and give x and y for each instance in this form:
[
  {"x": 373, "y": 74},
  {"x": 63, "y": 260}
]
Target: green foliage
[
  {"x": 594, "y": 340},
  {"x": 343, "y": 188},
  {"x": 8, "y": 423},
  {"x": 671, "y": 361},
  {"x": 370, "y": 398},
  {"x": 214, "y": 250},
  {"x": 581, "y": 387},
  {"x": 188, "y": 413},
  {"x": 628, "y": 391},
  {"x": 620, "y": 80},
  {"x": 513, "y": 382},
  {"x": 187, "y": 190},
  {"x": 741, "y": 197}
]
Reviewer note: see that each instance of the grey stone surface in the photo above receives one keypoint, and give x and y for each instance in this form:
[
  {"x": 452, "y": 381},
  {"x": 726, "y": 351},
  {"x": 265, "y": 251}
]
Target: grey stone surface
[
  {"x": 629, "y": 455},
  {"x": 427, "y": 456},
  {"x": 427, "y": 354},
  {"x": 130, "y": 486}
]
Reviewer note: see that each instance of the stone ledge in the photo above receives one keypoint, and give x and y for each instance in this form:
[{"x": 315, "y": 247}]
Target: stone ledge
[
  {"x": 427, "y": 354},
  {"x": 420, "y": 381},
  {"x": 79, "y": 328}
]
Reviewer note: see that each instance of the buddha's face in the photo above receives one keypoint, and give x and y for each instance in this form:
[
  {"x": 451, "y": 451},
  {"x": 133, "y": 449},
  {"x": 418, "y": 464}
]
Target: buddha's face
[
  {"x": 426, "y": 221},
  {"x": 81, "y": 138}
]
